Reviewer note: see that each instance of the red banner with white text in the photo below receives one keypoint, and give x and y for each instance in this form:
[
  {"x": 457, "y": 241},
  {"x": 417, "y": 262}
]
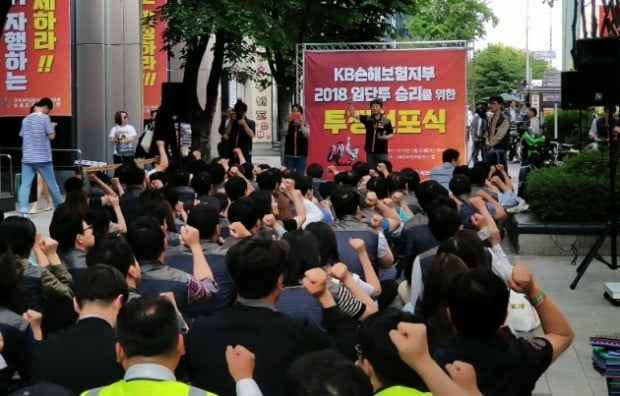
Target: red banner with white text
[
  {"x": 36, "y": 44},
  {"x": 154, "y": 60},
  {"x": 423, "y": 93}
]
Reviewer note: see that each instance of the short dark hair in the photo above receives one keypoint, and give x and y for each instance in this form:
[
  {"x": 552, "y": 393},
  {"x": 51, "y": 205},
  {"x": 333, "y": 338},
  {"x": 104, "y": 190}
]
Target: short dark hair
[
  {"x": 377, "y": 347},
  {"x": 450, "y": 155},
  {"x": 428, "y": 191},
  {"x": 379, "y": 186},
  {"x": 347, "y": 178},
  {"x": 314, "y": 170},
  {"x": 459, "y": 185},
  {"x": 326, "y": 372},
  {"x": 411, "y": 178},
  {"x": 222, "y": 199},
  {"x": 18, "y": 234},
  {"x": 496, "y": 98},
  {"x": 478, "y": 302},
  {"x": 262, "y": 202},
  {"x": 114, "y": 251},
  {"x": 243, "y": 210},
  {"x": 360, "y": 168},
  {"x": 298, "y": 106},
  {"x": 100, "y": 282},
  {"x": 395, "y": 182},
  {"x": 202, "y": 183},
  {"x": 303, "y": 184},
  {"x": 235, "y": 187},
  {"x": 533, "y": 110},
  {"x": 345, "y": 201},
  {"x": 478, "y": 174},
  {"x": 217, "y": 172},
  {"x": 118, "y": 117},
  {"x": 64, "y": 227},
  {"x": 443, "y": 222},
  {"x": 181, "y": 177},
  {"x": 327, "y": 188},
  {"x": 240, "y": 107},
  {"x": 255, "y": 264},
  {"x": 147, "y": 326},
  {"x": 268, "y": 179},
  {"x": 146, "y": 237},
  {"x": 46, "y": 102},
  {"x": 376, "y": 101},
  {"x": 133, "y": 175},
  {"x": 205, "y": 218}
]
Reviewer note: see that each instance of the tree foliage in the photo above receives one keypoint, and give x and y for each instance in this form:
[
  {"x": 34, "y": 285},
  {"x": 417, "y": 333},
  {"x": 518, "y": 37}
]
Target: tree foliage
[
  {"x": 498, "y": 68},
  {"x": 449, "y": 19},
  {"x": 281, "y": 24}
]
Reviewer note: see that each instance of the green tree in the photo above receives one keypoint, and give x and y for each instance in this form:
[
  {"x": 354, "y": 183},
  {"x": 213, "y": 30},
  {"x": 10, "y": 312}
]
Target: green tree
[
  {"x": 449, "y": 19},
  {"x": 278, "y": 25},
  {"x": 498, "y": 68},
  {"x": 190, "y": 25}
]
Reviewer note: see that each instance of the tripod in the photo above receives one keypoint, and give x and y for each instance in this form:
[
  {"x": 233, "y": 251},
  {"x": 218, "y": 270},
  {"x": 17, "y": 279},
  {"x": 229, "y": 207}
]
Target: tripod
[{"x": 611, "y": 229}]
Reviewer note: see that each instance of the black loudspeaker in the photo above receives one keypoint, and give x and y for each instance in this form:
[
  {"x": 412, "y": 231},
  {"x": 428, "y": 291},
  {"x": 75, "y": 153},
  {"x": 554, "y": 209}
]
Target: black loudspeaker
[
  {"x": 571, "y": 98},
  {"x": 598, "y": 64},
  {"x": 175, "y": 98}
]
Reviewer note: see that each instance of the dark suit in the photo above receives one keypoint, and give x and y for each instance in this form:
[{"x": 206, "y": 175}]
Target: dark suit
[
  {"x": 275, "y": 339},
  {"x": 79, "y": 358}
]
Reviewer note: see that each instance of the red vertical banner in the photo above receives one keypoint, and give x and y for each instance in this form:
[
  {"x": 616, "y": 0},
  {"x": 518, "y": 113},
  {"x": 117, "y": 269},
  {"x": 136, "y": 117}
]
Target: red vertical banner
[
  {"x": 154, "y": 59},
  {"x": 36, "y": 43},
  {"x": 424, "y": 97}
]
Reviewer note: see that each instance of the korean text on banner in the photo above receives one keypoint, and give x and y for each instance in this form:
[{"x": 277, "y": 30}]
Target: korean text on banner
[
  {"x": 36, "y": 44},
  {"x": 154, "y": 60},
  {"x": 423, "y": 94}
]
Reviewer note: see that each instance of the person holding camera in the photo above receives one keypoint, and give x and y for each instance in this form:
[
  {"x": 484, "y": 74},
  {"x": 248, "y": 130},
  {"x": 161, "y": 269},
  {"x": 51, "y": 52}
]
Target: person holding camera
[
  {"x": 296, "y": 145},
  {"x": 123, "y": 136},
  {"x": 239, "y": 133},
  {"x": 378, "y": 131}
]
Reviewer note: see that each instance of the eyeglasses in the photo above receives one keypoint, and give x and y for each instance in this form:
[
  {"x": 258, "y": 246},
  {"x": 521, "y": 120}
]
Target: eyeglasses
[{"x": 90, "y": 227}]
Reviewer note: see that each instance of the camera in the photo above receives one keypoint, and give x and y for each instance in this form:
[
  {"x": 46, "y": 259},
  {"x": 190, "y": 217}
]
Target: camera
[{"x": 239, "y": 115}]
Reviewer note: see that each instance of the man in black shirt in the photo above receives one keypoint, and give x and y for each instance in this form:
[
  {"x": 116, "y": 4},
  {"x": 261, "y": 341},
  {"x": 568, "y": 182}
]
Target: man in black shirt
[{"x": 378, "y": 131}]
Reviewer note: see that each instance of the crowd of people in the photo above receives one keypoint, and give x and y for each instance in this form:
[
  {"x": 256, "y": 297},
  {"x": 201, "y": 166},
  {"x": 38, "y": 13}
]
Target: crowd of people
[{"x": 242, "y": 279}]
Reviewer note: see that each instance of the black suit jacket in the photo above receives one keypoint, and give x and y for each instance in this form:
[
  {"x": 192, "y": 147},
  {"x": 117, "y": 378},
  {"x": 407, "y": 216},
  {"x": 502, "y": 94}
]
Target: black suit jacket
[
  {"x": 79, "y": 358},
  {"x": 275, "y": 339}
]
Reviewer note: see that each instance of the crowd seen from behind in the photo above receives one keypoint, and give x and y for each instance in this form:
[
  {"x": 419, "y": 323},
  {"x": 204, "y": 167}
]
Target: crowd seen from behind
[{"x": 230, "y": 278}]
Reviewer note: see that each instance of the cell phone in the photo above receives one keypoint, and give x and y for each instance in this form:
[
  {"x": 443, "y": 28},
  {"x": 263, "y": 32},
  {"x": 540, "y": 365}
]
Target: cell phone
[
  {"x": 485, "y": 233},
  {"x": 294, "y": 117}
]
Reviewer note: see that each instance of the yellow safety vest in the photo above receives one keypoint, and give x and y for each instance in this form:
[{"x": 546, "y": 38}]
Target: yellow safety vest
[
  {"x": 398, "y": 390},
  {"x": 139, "y": 387}
]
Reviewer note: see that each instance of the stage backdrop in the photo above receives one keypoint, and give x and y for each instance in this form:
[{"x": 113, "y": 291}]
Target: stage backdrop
[
  {"x": 154, "y": 60},
  {"x": 424, "y": 97},
  {"x": 36, "y": 44}
]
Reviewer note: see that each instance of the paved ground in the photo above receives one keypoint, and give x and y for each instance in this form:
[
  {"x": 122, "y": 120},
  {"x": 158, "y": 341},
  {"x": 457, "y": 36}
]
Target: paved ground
[{"x": 588, "y": 312}]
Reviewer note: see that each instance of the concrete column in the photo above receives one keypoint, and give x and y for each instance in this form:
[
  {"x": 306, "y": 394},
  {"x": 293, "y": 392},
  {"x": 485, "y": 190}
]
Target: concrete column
[{"x": 108, "y": 70}]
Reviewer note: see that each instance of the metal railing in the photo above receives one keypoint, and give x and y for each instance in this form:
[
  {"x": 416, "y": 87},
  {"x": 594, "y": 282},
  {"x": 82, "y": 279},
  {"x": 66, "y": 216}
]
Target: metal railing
[{"x": 78, "y": 153}]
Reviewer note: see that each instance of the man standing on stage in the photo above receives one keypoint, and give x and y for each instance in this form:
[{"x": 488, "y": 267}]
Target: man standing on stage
[
  {"x": 378, "y": 131},
  {"x": 37, "y": 131}
]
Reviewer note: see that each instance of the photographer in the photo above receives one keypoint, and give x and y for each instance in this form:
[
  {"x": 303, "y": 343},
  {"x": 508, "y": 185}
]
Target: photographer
[
  {"x": 239, "y": 133},
  {"x": 122, "y": 136},
  {"x": 296, "y": 146}
]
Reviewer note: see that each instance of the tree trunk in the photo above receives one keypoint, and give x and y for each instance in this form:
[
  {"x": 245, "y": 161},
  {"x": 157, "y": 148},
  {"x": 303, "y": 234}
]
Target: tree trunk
[
  {"x": 212, "y": 92},
  {"x": 190, "y": 84}
]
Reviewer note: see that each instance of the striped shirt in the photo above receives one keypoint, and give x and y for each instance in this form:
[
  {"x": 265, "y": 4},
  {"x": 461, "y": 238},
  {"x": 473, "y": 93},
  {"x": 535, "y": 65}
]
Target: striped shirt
[{"x": 36, "y": 146}]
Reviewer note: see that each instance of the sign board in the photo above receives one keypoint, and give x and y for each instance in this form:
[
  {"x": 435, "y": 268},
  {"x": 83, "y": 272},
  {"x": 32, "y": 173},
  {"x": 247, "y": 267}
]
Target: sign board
[
  {"x": 543, "y": 55},
  {"x": 551, "y": 79},
  {"x": 423, "y": 94},
  {"x": 154, "y": 60},
  {"x": 36, "y": 44}
]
